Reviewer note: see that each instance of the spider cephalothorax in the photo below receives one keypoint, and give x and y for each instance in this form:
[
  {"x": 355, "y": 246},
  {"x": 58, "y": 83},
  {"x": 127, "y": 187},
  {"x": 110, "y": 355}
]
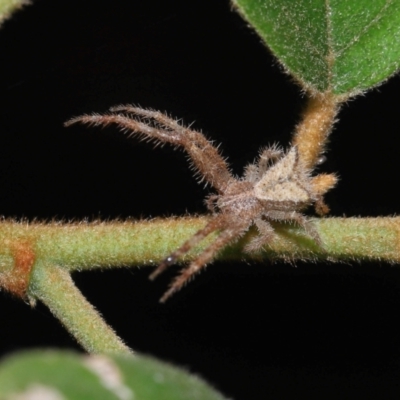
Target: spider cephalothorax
[{"x": 277, "y": 187}]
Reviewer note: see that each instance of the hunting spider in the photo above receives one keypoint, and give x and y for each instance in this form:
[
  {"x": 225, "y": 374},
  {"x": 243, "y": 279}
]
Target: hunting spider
[{"x": 275, "y": 188}]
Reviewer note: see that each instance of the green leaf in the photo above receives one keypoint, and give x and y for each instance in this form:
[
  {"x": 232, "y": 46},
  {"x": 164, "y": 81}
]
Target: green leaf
[
  {"x": 62, "y": 375},
  {"x": 343, "y": 46},
  {"x": 46, "y": 372},
  {"x": 7, "y": 7},
  {"x": 152, "y": 379}
]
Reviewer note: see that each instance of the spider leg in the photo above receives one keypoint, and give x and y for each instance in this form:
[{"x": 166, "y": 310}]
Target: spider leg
[
  {"x": 162, "y": 119},
  {"x": 208, "y": 254},
  {"x": 307, "y": 225},
  {"x": 205, "y": 157},
  {"x": 321, "y": 208},
  {"x": 211, "y": 203},
  {"x": 251, "y": 173},
  {"x": 320, "y": 185},
  {"x": 216, "y": 223},
  {"x": 126, "y": 124},
  {"x": 267, "y": 155},
  {"x": 266, "y": 234}
]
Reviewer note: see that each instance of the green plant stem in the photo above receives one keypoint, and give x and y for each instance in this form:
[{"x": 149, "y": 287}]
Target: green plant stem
[
  {"x": 55, "y": 288},
  {"x": 344, "y": 239},
  {"x": 83, "y": 246},
  {"x": 49, "y": 252}
]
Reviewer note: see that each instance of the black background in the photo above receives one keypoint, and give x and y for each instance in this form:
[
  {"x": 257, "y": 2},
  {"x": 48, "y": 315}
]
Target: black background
[{"x": 253, "y": 331}]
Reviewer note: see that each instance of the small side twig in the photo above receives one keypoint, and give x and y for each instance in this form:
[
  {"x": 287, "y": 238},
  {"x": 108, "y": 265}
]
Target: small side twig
[{"x": 54, "y": 287}]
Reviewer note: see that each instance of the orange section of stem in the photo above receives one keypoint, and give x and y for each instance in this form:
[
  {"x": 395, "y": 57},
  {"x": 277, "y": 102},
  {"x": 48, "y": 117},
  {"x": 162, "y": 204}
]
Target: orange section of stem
[
  {"x": 317, "y": 121},
  {"x": 17, "y": 279}
]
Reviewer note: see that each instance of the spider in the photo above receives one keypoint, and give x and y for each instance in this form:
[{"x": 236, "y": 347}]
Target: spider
[{"x": 277, "y": 187}]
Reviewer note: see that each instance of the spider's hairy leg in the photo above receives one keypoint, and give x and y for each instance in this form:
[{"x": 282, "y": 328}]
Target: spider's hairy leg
[
  {"x": 203, "y": 154},
  {"x": 321, "y": 184},
  {"x": 211, "y": 203},
  {"x": 268, "y": 154},
  {"x": 205, "y": 157},
  {"x": 251, "y": 173},
  {"x": 161, "y": 119},
  {"x": 266, "y": 234},
  {"x": 216, "y": 223},
  {"x": 126, "y": 124},
  {"x": 302, "y": 220},
  {"x": 226, "y": 237}
]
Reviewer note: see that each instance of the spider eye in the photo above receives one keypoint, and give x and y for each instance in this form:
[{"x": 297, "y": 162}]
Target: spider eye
[{"x": 321, "y": 160}]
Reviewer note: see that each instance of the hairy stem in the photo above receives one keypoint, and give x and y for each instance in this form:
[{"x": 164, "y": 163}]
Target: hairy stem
[
  {"x": 79, "y": 246},
  {"x": 317, "y": 122},
  {"x": 115, "y": 244},
  {"x": 55, "y": 288},
  {"x": 56, "y": 249},
  {"x": 344, "y": 240}
]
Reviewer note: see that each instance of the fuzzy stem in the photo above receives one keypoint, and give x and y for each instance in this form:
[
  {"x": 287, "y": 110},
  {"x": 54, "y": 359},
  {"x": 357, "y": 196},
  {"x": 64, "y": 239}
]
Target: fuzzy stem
[
  {"x": 55, "y": 288},
  {"x": 317, "y": 122},
  {"x": 79, "y": 246},
  {"x": 57, "y": 248},
  {"x": 344, "y": 240},
  {"x": 115, "y": 244}
]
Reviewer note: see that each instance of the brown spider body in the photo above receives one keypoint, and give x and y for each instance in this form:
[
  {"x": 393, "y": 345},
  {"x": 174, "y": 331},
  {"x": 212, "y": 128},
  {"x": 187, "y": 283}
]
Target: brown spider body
[{"x": 278, "y": 187}]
